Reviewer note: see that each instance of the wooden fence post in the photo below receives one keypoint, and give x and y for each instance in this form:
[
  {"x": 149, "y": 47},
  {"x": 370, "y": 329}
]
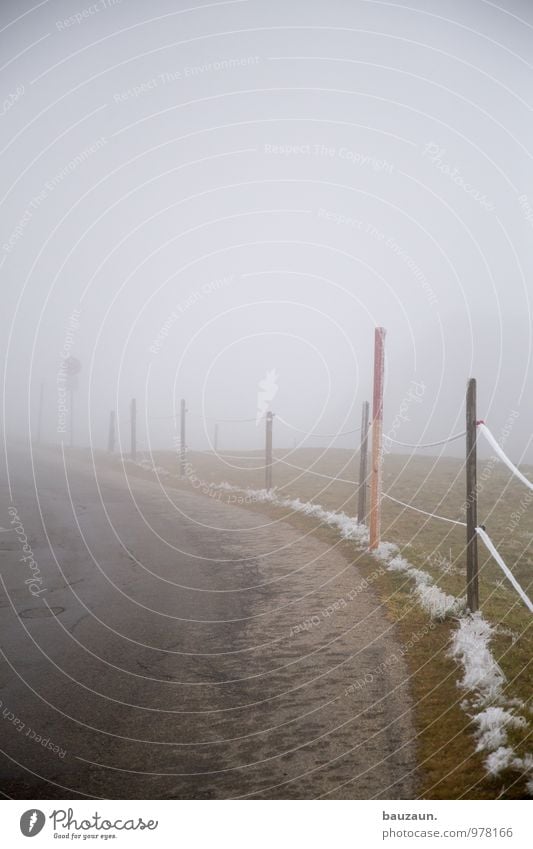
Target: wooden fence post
[
  {"x": 215, "y": 441},
  {"x": 268, "y": 451},
  {"x": 377, "y": 438},
  {"x": 472, "y": 580},
  {"x": 183, "y": 447},
  {"x": 71, "y": 395},
  {"x": 363, "y": 465}
]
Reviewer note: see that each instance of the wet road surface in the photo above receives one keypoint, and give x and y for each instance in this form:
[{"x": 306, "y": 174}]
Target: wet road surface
[{"x": 174, "y": 646}]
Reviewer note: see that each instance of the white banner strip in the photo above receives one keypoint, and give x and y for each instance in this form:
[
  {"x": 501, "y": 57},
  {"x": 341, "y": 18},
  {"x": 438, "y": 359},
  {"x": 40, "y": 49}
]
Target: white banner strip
[
  {"x": 263, "y": 824},
  {"x": 490, "y": 546},
  {"x": 503, "y": 456}
]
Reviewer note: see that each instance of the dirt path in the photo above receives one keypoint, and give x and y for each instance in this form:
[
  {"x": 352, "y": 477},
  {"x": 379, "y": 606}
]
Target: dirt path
[{"x": 199, "y": 650}]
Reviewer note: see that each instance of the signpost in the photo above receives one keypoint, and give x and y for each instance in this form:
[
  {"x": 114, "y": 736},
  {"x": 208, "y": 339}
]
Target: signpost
[{"x": 72, "y": 367}]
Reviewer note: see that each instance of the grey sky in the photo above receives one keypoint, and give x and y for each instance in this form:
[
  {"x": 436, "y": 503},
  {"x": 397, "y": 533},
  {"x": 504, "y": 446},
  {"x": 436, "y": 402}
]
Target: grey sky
[{"x": 224, "y": 189}]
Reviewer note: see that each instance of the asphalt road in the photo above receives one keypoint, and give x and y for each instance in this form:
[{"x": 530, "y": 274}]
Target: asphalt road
[{"x": 173, "y": 646}]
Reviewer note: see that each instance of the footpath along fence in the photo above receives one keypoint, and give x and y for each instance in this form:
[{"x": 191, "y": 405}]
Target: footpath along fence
[{"x": 370, "y": 479}]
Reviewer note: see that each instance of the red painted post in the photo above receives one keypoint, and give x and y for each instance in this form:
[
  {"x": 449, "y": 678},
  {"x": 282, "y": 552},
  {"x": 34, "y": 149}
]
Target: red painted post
[{"x": 183, "y": 444}]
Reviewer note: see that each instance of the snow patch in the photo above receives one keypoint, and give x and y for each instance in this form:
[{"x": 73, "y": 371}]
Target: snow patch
[
  {"x": 398, "y": 564},
  {"x": 499, "y": 760},
  {"x": 438, "y": 604},
  {"x": 485, "y": 680},
  {"x": 435, "y": 602},
  {"x": 492, "y": 725},
  {"x": 470, "y": 645},
  {"x": 385, "y": 550},
  {"x": 347, "y": 525}
]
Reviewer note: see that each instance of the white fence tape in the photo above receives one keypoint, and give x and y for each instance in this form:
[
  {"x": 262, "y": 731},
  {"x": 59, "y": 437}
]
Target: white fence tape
[
  {"x": 503, "y": 456},
  {"x": 309, "y": 471},
  {"x": 490, "y": 546},
  {"x": 425, "y": 512},
  {"x": 318, "y": 435},
  {"x": 425, "y": 444}
]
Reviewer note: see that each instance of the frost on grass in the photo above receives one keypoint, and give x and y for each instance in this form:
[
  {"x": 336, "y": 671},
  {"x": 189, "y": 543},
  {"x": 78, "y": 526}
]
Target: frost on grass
[
  {"x": 347, "y": 525},
  {"x": 470, "y": 645},
  {"x": 525, "y": 766},
  {"x": 492, "y": 725},
  {"x": 385, "y": 551},
  {"x": 485, "y": 680},
  {"x": 435, "y": 602},
  {"x": 398, "y": 564},
  {"x": 499, "y": 760},
  {"x": 503, "y": 758}
]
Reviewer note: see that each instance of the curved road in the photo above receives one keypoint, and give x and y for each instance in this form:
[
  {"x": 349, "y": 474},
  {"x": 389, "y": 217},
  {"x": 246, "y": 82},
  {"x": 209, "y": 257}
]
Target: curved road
[{"x": 178, "y": 647}]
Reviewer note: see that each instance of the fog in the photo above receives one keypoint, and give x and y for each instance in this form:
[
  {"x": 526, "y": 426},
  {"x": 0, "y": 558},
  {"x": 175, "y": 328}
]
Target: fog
[{"x": 220, "y": 202}]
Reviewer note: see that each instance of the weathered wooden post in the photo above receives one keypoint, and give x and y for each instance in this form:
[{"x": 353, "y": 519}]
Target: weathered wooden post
[
  {"x": 71, "y": 396},
  {"x": 268, "y": 451},
  {"x": 363, "y": 465},
  {"x": 472, "y": 580},
  {"x": 111, "y": 433},
  {"x": 133, "y": 423},
  {"x": 72, "y": 367},
  {"x": 377, "y": 438},
  {"x": 183, "y": 449}
]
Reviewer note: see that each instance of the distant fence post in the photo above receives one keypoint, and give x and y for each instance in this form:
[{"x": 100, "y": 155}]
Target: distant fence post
[
  {"x": 377, "y": 437},
  {"x": 40, "y": 419},
  {"x": 363, "y": 465},
  {"x": 72, "y": 368},
  {"x": 472, "y": 580},
  {"x": 183, "y": 449},
  {"x": 111, "y": 433},
  {"x": 133, "y": 423},
  {"x": 268, "y": 451},
  {"x": 71, "y": 396},
  {"x": 215, "y": 440}
]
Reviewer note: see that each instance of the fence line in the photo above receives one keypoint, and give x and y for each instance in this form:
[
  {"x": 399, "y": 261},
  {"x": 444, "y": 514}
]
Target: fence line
[
  {"x": 317, "y": 435},
  {"x": 309, "y": 471},
  {"x": 502, "y": 455},
  {"x": 473, "y": 530},
  {"x": 418, "y": 510},
  {"x": 232, "y": 421},
  {"x": 499, "y": 560},
  {"x": 426, "y": 444}
]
